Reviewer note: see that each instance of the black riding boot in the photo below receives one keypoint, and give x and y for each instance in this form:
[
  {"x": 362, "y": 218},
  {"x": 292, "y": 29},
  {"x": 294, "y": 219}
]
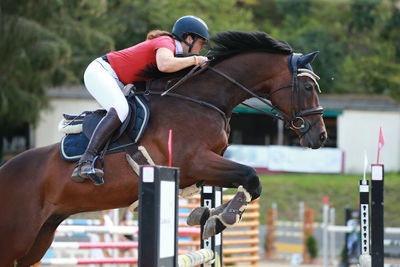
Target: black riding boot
[{"x": 100, "y": 136}]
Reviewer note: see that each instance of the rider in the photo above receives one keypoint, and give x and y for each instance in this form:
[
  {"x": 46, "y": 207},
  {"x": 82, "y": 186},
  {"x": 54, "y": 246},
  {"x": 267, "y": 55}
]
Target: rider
[{"x": 107, "y": 75}]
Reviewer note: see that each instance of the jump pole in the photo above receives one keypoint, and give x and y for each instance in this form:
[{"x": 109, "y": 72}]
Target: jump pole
[
  {"x": 158, "y": 187},
  {"x": 211, "y": 197},
  {"x": 158, "y": 221},
  {"x": 365, "y": 257},
  {"x": 371, "y": 218},
  {"x": 377, "y": 206}
]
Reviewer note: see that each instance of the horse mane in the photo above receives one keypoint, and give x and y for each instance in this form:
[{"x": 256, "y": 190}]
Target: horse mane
[{"x": 230, "y": 43}]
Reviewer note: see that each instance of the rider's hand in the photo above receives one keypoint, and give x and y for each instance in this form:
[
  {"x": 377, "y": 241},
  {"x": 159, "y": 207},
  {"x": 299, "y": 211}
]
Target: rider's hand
[{"x": 200, "y": 60}]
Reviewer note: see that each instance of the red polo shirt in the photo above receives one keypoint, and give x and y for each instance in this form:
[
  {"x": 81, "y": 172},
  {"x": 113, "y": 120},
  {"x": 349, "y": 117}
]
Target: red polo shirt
[{"x": 130, "y": 62}]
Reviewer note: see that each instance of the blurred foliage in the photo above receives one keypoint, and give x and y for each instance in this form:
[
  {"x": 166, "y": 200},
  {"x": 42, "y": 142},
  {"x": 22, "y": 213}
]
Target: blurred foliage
[
  {"x": 47, "y": 43},
  {"x": 312, "y": 246}
]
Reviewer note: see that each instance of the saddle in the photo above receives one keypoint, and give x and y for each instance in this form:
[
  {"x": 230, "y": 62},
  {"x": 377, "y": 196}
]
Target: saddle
[{"x": 79, "y": 129}]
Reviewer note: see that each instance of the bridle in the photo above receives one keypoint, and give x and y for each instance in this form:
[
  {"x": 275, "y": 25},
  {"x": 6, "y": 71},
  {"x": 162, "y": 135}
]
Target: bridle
[{"x": 296, "y": 120}]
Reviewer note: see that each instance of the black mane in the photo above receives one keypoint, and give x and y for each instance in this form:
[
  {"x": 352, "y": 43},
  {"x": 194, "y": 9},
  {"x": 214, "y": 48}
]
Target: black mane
[{"x": 234, "y": 42}]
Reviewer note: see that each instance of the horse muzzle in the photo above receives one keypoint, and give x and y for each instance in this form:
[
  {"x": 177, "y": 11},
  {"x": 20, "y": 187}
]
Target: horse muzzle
[{"x": 316, "y": 135}]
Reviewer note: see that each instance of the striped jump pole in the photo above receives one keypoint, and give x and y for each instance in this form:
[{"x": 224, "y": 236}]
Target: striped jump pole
[
  {"x": 158, "y": 221},
  {"x": 195, "y": 258},
  {"x": 187, "y": 260},
  {"x": 211, "y": 197},
  {"x": 365, "y": 257},
  {"x": 94, "y": 245},
  {"x": 117, "y": 229},
  {"x": 371, "y": 218},
  {"x": 73, "y": 261}
]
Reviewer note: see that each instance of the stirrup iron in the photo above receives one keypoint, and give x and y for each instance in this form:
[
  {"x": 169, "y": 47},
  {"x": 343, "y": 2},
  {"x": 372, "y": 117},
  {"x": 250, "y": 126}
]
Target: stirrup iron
[{"x": 96, "y": 179}]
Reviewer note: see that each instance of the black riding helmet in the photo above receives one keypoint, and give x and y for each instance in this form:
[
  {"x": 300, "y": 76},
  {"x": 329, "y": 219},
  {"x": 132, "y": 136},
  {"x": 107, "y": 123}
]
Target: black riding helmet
[{"x": 190, "y": 25}]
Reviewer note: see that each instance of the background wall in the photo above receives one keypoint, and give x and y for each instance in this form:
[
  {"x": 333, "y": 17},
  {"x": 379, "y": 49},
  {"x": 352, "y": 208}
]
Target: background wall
[
  {"x": 46, "y": 132},
  {"x": 358, "y": 130}
]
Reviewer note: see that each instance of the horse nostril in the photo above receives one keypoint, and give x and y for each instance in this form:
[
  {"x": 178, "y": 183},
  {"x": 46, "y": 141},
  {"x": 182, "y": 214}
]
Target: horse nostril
[{"x": 322, "y": 137}]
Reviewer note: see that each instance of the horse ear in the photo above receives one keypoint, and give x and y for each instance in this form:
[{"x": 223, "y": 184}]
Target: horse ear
[{"x": 306, "y": 59}]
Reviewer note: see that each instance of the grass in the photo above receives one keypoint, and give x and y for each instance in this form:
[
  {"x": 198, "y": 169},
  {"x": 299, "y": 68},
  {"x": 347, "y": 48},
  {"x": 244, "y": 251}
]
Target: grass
[{"x": 288, "y": 190}]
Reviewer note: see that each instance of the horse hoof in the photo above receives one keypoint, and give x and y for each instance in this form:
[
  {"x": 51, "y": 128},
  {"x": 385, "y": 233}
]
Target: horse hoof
[
  {"x": 212, "y": 227},
  {"x": 198, "y": 216},
  {"x": 209, "y": 229}
]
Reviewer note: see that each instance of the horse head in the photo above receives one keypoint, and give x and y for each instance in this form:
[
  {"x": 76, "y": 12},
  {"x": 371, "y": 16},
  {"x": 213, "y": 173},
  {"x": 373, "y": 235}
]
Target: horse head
[{"x": 297, "y": 102}]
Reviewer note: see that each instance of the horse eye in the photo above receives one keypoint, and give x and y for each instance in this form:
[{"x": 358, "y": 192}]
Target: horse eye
[{"x": 308, "y": 86}]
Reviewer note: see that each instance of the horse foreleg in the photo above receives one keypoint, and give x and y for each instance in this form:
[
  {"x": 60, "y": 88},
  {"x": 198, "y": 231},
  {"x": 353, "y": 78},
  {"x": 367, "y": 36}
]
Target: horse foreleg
[
  {"x": 199, "y": 215},
  {"x": 219, "y": 171},
  {"x": 226, "y": 215},
  {"x": 42, "y": 242},
  {"x": 19, "y": 226}
]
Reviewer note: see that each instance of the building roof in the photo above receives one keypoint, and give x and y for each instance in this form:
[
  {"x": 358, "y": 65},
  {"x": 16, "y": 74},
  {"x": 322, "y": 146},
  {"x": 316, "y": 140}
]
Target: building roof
[
  {"x": 73, "y": 92},
  {"x": 358, "y": 102}
]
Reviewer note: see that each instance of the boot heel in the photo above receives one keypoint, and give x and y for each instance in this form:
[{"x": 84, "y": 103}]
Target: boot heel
[{"x": 75, "y": 175}]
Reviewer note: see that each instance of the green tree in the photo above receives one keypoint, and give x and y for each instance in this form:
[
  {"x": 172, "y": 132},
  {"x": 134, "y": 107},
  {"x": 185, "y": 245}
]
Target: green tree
[
  {"x": 371, "y": 65},
  {"x": 30, "y": 55},
  {"x": 357, "y": 39},
  {"x": 364, "y": 14},
  {"x": 44, "y": 43},
  {"x": 301, "y": 24},
  {"x": 137, "y": 18}
]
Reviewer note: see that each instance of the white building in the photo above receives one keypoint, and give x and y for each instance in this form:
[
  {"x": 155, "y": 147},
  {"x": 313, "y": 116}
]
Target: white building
[
  {"x": 63, "y": 100},
  {"x": 358, "y": 129}
]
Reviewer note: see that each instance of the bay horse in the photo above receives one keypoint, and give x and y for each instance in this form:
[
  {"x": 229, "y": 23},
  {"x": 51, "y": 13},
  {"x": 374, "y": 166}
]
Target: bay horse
[{"x": 37, "y": 194}]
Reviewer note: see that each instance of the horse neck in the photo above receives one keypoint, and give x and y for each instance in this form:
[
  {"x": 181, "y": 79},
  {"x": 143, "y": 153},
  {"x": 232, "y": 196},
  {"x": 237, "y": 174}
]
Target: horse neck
[
  {"x": 255, "y": 71},
  {"x": 258, "y": 72}
]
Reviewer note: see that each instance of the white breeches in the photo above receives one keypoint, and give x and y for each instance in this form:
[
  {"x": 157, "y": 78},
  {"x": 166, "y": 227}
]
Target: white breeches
[{"x": 103, "y": 84}]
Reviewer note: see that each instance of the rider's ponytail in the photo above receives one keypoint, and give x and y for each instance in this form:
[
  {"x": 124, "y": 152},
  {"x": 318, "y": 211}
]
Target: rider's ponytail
[{"x": 157, "y": 33}]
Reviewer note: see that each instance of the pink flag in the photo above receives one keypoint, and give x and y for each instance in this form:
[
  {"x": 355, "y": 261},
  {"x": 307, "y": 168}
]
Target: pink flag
[
  {"x": 381, "y": 142},
  {"x": 170, "y": 148}
]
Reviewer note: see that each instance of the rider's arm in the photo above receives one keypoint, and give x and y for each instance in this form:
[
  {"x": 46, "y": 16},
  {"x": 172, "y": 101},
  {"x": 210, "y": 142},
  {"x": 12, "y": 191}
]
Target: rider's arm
[{"x": 167, "y": 62}]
